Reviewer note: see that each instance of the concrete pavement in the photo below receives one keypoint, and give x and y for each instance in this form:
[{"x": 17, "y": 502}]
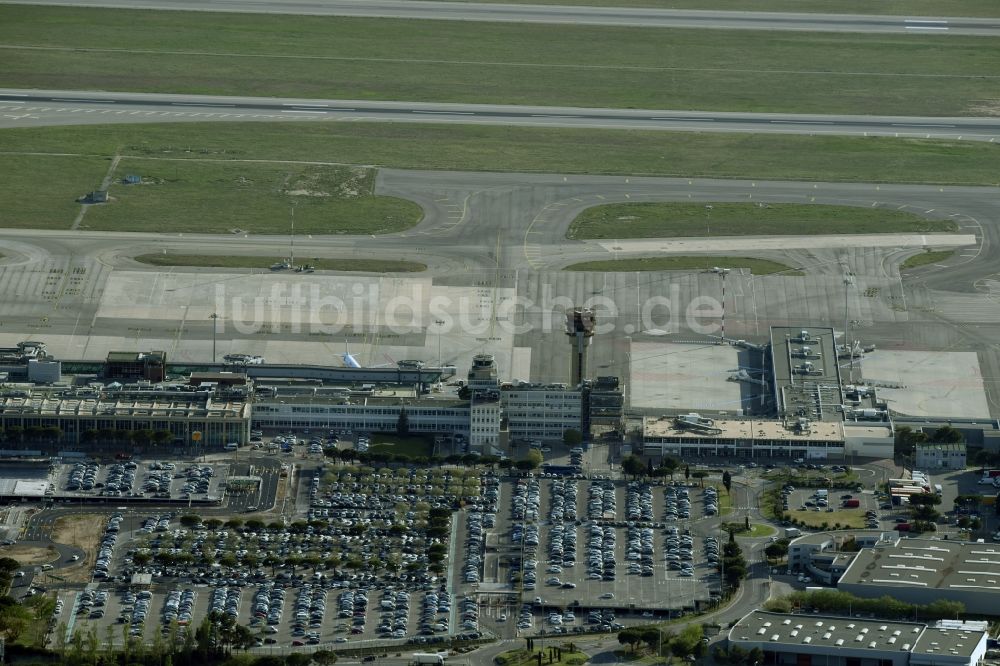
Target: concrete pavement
[
  {"x": 37, "y": 108},
  {"x": 566, "y": 15}
]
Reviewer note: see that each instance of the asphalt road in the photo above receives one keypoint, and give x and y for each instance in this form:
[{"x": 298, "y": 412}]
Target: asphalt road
[
  {"x": 556, "y": 14},
  {"x": 30, "y": 108}
]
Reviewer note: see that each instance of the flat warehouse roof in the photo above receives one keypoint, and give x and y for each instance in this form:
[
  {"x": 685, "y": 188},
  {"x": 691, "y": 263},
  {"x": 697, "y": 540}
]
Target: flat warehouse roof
[
  {"x": 827, "y": 633},
  {"x": 928, "y": 564}
]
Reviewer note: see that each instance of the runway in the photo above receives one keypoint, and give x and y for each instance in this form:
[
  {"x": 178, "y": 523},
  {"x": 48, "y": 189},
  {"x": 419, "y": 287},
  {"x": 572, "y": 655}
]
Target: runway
[
  {"x": 28, "y": 108},
  {"x": 566, "y": 15}
]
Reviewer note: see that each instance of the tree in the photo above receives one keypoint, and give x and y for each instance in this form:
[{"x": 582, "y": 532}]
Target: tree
[
  {"x": 668, "y": 466},
  {"x": 687, "y": 472},
  {"x": 776, "y": 551},
  {"x": 907, "y": 439},
  {"x": 629, "y": 637},
  {"x": 701, "y": 475},
  {"x": 727, "y": 481},
  {"x": 633, "y": 465},
  {"x": 14, "y": 434},
  {"x": 324, "y": 657},
  {"x": 947, "y": 435},
  {"x": 572, "y": 437},
  {"x": 162, "y": 437},
  {"x": 403, "y": 424},
  {"x": 190, "y": 520},
  {"x": 532, "y": 460}
]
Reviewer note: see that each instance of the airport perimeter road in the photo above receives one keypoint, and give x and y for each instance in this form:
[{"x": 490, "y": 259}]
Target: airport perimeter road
[
  {"x": 31, "y": 108},
  {"x": 609, "y": 16}
]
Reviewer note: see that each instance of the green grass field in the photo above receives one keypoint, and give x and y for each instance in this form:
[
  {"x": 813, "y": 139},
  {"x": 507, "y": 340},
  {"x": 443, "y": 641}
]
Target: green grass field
[
  {"x": 46, "y": 188},
  {"x": 506, "y": 63},
  {"x": 848, "y": 518},
  {"x": 322, "y": 264},
  {"x": 668, "y": 219},
  {"x": 691, "y": 263},
  {"x": 484, "y": 148},
  {"x": 984, "y": 8},
  {"x": 925, "y": 258},
  {"x": 225, "y": 196},
  {"x": 407, "y": 445}
]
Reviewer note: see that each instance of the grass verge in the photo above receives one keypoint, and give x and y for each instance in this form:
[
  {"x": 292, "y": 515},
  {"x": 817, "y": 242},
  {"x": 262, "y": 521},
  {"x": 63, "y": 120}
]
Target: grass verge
[
  {"x": 668, "y": 219},
  {"x": 210, "y": 261},
  {"x": 925, "y": 258},
  {"x": 758, "y": 530},
  {"x": 522, "y": 657},
  {"x": 47, "y": 188},
  {"x": 485, "y": 148},
  {"x": 848, "y": 519},
  {"x": 407, "y": 445},
  {"x": 755, "y": 266},
  {"x": 232, "y": 197},
  {"x": 448, "y": 61},
  {"x": 970, "y": 8}
]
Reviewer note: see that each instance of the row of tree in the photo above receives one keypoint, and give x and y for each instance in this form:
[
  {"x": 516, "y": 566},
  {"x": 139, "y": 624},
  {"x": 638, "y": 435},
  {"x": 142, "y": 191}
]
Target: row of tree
[
  {"x": 907, "y": 438},
  {"x": 732, "y": 566},
  {"x": 210, "y": 643},
  {"x": 834, "y": 601},
  {"x": 633, "y": 466},
  {"x": 37, "y": 434},
  {"x": 384, "y": 457},
  {"x": 688, "y": 643}
]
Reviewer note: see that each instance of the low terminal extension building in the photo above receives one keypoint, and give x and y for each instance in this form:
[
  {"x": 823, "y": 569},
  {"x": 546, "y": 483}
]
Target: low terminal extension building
[
  {"x": 692, "y": 435},
  {"x": 821, "y": 640}
]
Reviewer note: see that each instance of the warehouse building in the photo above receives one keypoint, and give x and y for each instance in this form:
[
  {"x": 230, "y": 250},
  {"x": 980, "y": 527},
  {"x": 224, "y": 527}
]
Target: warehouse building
[
  {"x": 816, "y": 640},
  {"x": 920, "y": 571}
]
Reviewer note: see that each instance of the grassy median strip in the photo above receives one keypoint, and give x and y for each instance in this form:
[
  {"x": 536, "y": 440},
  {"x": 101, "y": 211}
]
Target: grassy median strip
[
  {"x": 926, "y": 258},
  {"x": 227, "y": 196},
  {"x": 487, "y": 148},
  {"x": 970, "y": 8},
  {"x": 686, "y": 263},
  {"x": 319, "y": 263},
  {"x": 449, "y": 61},
  {"x": 669, "y": 220}
]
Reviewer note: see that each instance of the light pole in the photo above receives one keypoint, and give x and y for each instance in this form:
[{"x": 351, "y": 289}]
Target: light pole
[
  {"x": 848, "y": 282},
  {"x": 214, "y": 317},
  {"x": 723, "y": 272},
  {"x": 439, "y": 323}
]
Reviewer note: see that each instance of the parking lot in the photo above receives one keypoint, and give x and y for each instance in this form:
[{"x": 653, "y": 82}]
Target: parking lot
[
  {"x": 396, "y": 554},
  {"x": 369, "y": 562},
  {"x": 128, "y": 479},
  {"x": 568, "y": 544}
]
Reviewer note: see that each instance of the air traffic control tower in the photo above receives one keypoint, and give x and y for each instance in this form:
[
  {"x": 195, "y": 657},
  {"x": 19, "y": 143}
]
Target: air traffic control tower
[{"x": 580, "y": 324}]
